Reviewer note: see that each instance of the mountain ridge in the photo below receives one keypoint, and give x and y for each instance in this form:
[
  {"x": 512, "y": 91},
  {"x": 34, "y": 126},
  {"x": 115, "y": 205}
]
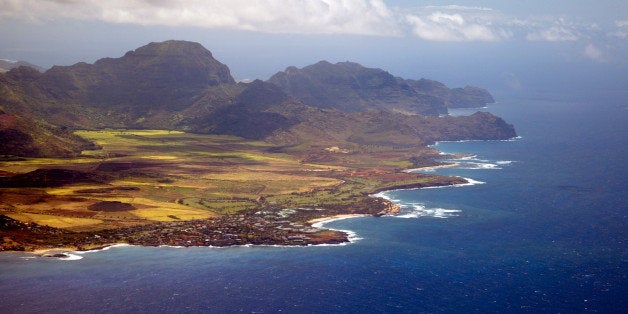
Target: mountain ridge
[
  {"x": 178, "y": 85},
  {"x": 349, "y": 86},
  {"x": 6, "y": 65}
]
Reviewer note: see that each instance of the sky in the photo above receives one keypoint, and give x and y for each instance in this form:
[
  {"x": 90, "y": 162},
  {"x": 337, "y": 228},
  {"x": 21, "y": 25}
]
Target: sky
[{"x": 523, "y": 46}]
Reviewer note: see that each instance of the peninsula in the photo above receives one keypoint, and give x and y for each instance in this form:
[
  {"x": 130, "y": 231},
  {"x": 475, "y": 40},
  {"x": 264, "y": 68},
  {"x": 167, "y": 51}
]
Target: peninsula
[{"x": 163, "y": 147}]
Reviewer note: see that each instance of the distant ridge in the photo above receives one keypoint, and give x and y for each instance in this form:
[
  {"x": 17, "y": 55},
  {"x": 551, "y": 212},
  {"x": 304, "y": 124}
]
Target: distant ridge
[
  {"x": 6, "y": 65},
  {"x": 351, "y": 87},
  {"x": 467, "y": 97}
]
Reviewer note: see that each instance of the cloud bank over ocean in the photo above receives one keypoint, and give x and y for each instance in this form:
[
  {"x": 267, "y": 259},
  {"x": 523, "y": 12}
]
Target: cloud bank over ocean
[{"x": 355, "y": 17}]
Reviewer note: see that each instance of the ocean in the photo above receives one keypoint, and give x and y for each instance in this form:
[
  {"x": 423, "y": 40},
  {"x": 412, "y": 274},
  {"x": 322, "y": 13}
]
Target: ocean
[{"x": 542, "y": 229}]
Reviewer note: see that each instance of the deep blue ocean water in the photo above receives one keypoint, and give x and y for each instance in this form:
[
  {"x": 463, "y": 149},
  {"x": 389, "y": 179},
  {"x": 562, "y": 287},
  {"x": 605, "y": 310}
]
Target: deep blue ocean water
[{"x": 545, "y": 232}]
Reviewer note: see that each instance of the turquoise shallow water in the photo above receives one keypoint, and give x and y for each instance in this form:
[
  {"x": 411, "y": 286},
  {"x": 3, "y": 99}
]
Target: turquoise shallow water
[{"x": 544, "y": 232}]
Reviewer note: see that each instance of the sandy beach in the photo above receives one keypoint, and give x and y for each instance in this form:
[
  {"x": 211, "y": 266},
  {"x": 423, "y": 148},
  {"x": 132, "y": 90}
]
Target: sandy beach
[
  {"x": 69, "y": 249},
  {"x": 335, "y": 217}
]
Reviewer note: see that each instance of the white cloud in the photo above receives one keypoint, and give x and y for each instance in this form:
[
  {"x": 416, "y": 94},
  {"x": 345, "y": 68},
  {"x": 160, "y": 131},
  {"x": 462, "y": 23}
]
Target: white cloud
[
  {"x": 356, "y": 17},
  {"x": 363, "y": 17},
  {"x": 555, "y": 29},
  {"x": 456, "y": 23},
  {"x": 594, "y": 53},
  {"x": 553, "y": 33},
  {"x": 458, "y": 7},
  {"x": 622, "y": 29}
]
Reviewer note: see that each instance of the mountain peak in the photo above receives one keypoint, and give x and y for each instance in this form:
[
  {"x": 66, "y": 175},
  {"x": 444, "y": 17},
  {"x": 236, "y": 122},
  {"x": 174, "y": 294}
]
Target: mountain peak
[
  {"x": 162, "y": 75},
  {"x": 171, "y": 48},
  {"x": 184, "y": 61}
]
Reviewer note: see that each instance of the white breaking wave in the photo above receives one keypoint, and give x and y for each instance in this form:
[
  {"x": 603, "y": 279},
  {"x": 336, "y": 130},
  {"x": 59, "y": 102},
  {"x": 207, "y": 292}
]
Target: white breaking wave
[
  {"x": 512, "y": 139},
  {"x": 387, "y": 197},
  {"x": 477, "y": 165},
  {"x": 416, "y": 210},
  {"x": 472, "y": 162},
  {"x": 352, "y": 236},
  {"x": 102, "y": 249},
  {"x": 504, "y": 162},
  {"x": 420, "y": 210},
  {"x": 470, "y": 182},
  {"x": 71, "y": 257},
  {"x": 471, "y": 157}
]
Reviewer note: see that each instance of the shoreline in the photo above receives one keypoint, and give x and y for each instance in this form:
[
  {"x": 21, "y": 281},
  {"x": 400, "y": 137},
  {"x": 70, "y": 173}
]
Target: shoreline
[
  {"x": 432, "y": 168},
  {"x": 352, "y": 236},
  {"x": 316, "y": 222},
  {"x": 69, "y": 252}
]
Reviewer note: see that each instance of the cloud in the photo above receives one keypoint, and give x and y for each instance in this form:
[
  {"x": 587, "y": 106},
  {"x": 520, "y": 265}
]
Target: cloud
[
  {"x": 447, "y": 23},
  {"x": 360, "y": 17},
  {"x": 553, "y": 33},
  {"x": 511, "y": 80},
  {"x": 554, "y": 29},
  {"x": 456, "y": 23},
  {"x": 458, "y": 7},
  {"x": 622, "y": 29},
  {"x": 594, "y": 53}
]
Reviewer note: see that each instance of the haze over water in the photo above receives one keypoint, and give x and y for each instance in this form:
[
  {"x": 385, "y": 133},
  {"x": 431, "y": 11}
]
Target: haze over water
[{"x": 544, "y": 233}]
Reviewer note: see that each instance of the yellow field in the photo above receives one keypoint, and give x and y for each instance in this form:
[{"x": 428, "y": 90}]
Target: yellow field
[
  {"x": 55, "y": 221},
  {"x": 166, "y": 176},
  {"x": 172, "y": 175}
]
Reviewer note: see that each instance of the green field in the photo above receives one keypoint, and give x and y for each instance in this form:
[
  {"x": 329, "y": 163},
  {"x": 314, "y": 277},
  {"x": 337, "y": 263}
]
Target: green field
[{"x": 171, "y": 175}]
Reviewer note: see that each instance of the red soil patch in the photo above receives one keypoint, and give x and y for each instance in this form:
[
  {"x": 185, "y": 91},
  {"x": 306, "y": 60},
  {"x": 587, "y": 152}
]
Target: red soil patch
[{"x": 7, "y": 120}]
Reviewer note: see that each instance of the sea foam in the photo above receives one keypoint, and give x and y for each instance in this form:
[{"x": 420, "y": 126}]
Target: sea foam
[
  {"x": 352, "y": 236},
  {"x": 478, "y": 165},
  {"x": 420, "y": 210},
  {"x": 470, "y": 182},
  {"x": 71, "y": 257},
  {"x": 101, "y": 249}
]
